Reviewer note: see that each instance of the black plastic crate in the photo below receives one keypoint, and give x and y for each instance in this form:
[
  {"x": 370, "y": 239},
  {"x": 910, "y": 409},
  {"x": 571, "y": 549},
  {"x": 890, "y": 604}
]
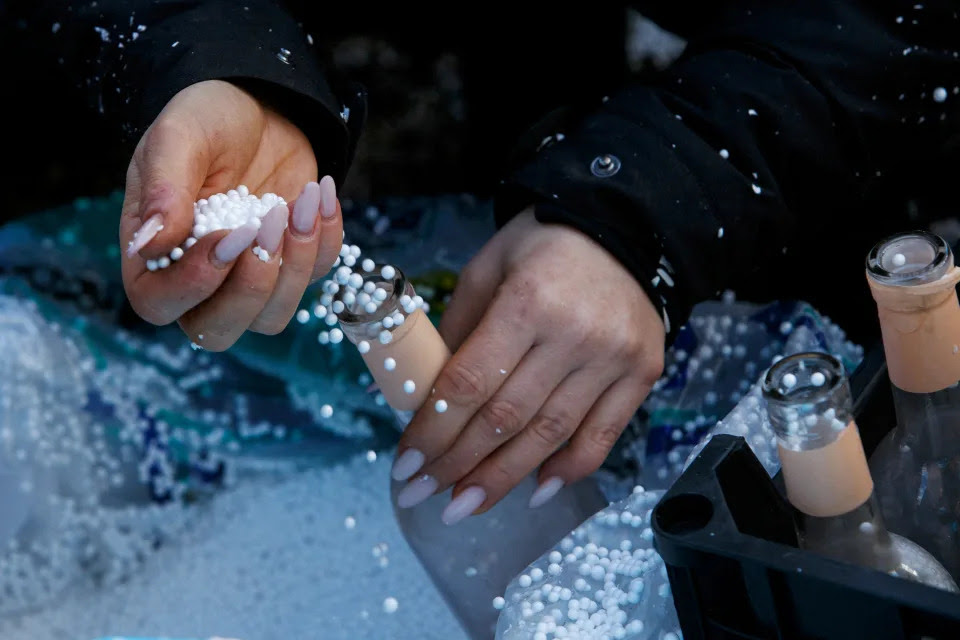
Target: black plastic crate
[{"x": 729, "y": 540}]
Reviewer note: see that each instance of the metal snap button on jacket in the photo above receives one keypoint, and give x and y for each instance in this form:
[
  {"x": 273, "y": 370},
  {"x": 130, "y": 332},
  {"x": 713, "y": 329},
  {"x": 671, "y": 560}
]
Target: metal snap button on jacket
[{"x": 605, "y": 166}]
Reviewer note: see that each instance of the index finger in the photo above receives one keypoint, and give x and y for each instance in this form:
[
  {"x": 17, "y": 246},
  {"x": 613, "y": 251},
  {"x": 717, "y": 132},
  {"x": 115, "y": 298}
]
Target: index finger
[
  {"x": 471, "y": 377},
  {"x": 160, "y": 297}
]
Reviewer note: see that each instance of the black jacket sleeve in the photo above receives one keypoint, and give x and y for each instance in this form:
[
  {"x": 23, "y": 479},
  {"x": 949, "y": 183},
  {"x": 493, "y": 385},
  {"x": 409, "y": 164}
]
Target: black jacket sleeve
[
  {"x": 761, "y": 143},
  {"x": 132, "y": 56}
]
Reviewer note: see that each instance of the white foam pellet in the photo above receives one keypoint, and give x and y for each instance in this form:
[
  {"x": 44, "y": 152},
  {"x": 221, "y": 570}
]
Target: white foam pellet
[
  {"x": 388, "y": 272},
  {"x": 176, "y": 254},
  {"x": 163, "y": 262},
  {"x": 368, "y": 265},
  {"x": 724, "y": 154},
  {"x": 385, "y": 336},
  {"x": 371, "y": 307},
  {"x": 389, "y": 364},
  {"x": 409, "y": 386},
  {"x": 337, "y": 306},
  {"x": 817, "y": 379},
  {"x": 326, "y": 411},
  {"x": 152, "y": 265},
  {"x": 380, "y": 295},
  {"x": 390, "y": 605},
  {"x": 336, "y": 336},
  {"x": 939, "y": 94},
  {"x": 303, "y": 316},
  {"x": 789, "y": 380},
  {"x": 441, "y": 406},
  {"x": 899, "y": 259},
  {"x": 190, "y": 242},
  {"x": 371, "y": 456},
  {"x": 349, "y": 522},
  {"x": 363, "y": 347},
  {"x": 499, "y": 603}
]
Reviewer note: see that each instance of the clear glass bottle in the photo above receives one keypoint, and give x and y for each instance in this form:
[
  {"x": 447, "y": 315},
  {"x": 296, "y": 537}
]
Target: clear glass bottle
[
  {"x": 473, "y": 561},
  {"x": 913, "y": 279},
  {"x": 826, "y": 474}
]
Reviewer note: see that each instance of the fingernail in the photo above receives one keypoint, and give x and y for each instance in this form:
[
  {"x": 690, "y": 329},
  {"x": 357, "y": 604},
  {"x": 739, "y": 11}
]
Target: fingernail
[
  {"x": 407, "y": 464},
  {"x": 463, "y": 505},
  {"x": 272, "y": 227},
  {"x": 417, "y": 491},
  {"x": 328, "y": 197},
  {"x": 305, "y": 210},
  {"x": 547, "y": 489},
  {"x": 233, "y": 244},
  {"x": 145, "y": 234}
]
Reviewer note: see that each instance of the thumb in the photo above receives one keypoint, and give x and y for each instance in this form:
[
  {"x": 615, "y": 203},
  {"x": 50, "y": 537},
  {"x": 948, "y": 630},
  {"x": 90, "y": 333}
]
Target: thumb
[{"x": 164, "y": 177}]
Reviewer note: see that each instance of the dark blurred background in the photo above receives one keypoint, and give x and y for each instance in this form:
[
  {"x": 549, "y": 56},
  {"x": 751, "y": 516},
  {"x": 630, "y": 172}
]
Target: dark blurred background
[{"x": 442, "y": 115}]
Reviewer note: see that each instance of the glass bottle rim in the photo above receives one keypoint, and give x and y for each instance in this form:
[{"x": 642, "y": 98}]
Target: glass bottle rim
[
  {"x": 803, "y": 390},
  {"x": 881, "y": 260},
  {"x": 398, "y": 285}
]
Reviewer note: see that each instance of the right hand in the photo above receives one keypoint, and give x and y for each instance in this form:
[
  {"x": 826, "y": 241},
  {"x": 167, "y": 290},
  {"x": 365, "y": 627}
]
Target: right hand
[{"x": 212, "y": 137}]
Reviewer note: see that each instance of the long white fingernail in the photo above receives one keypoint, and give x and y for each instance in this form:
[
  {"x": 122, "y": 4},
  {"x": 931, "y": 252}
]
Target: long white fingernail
[
  {"x": 234, "y": 243},
  {"x": 306, "y": 207},
  {"x": 417, "y": 491},
  {"x": 547, "y": 489},
  {"x": 272, "y": 228},
  {"x": 145, "y": 234},
  {"x": 328, "y": 197},
  {"x": 407, "y": 464},
  {"x": 463, "y": 505}
]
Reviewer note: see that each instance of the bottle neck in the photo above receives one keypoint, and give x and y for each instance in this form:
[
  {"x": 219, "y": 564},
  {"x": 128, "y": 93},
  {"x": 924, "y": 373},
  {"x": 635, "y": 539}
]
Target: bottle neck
[
  {"x": 913, "y": 280},
  {"x": 824, "y": 467}
]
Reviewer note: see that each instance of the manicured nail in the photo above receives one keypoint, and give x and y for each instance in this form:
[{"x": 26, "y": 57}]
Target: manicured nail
[
  {"x": 407, "y": 464},
  {"x": 547, "y": 489},
  {"x": 463, "y": 505},
  {"x": 272, "y": 227},
  {"x": 305, "y": 210},
  {"x": 145, "y": 234},
  {"x": 417, "y": 491},
  {"x": 234, "y": 243},
  {"x": 328, "y": 197}
]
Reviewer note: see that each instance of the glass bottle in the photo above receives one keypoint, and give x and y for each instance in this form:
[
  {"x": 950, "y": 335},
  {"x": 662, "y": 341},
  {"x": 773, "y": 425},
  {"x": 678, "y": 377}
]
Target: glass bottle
[
  {"x": 473, "y": 561},
  {"x": 826, "y": 474},
  {"x": 913, "y": 279}
]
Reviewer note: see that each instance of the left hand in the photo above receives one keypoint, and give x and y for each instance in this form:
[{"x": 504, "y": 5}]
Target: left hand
[{"x": 554, "y": 341}]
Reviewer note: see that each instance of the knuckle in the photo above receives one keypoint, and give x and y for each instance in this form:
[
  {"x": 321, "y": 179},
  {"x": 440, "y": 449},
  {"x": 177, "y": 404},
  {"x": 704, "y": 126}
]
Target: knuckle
[
  {"x": 150, "y": 312},
  {"x": 652, "y": 367},
  {"x": 602, "y": 439},
  {"x": 496, "y": 474},
  {"x": 165, "y": 128},
  {"x": 470, "y": 277},
  {"x": 463, "y": 383},
  {"x": 552, "y": 428},
  {"x": 269, "y": 326},
  {"x": 194, "y": 277},
  {"x": 500, "y": 417}
]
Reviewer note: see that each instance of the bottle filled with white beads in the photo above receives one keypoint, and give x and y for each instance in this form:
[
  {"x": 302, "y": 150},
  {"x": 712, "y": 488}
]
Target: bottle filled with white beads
[
  {"x": 400, "y": 346},
  {"x": 826, "y": 475}
]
